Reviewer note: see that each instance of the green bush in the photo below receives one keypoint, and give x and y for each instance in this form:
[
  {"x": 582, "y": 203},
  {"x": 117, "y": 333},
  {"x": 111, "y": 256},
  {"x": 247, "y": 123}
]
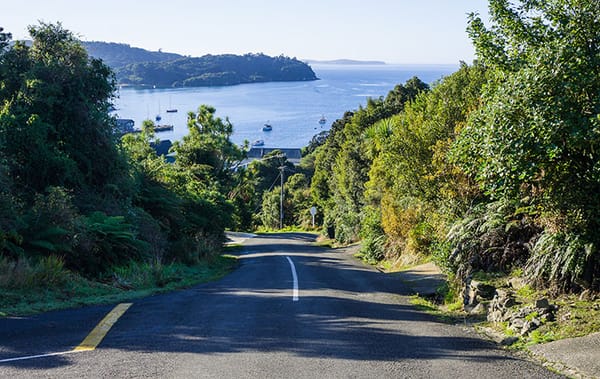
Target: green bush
[
  {"x": 105, "y": 241},
  {"x": 492, "y": 237},
  {"x": 564, "y": 260}
]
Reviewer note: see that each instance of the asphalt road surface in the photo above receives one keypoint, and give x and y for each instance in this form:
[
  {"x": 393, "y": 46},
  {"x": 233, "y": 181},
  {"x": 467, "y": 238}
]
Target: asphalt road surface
[{"x": 291, "y": 310}]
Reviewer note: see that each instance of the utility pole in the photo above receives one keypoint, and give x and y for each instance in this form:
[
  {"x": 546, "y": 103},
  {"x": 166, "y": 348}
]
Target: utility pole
[{"x": 282, "y": 169}]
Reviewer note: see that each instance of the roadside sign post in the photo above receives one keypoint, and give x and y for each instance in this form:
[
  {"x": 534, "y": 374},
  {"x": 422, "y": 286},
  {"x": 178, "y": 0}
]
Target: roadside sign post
[{"x": 313, "y": 212}]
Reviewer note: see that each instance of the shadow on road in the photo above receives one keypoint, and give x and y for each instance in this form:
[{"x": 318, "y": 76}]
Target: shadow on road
[{"x": 346, "y": 311}]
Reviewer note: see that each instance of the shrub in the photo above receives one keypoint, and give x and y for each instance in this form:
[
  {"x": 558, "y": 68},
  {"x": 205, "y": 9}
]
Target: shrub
[
  {"x": 564, "y": 260},
  {"x": 490, "y": 237},
  {"x": 44, "y": 273},
  {"x": 105, "y": 241}
]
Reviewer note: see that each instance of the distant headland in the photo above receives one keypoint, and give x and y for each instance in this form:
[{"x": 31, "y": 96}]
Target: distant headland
[{"x": 138, "y": 67}]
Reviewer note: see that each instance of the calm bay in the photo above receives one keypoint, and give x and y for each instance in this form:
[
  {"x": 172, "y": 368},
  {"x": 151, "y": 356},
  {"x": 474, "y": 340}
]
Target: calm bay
[{"x": 292, "y": 108}]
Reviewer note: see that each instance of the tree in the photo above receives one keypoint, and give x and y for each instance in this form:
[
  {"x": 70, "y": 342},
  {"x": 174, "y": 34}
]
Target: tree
[
  {"x": 414, "y": 193},
  {"x": 342, "y": 162},
  {"x": 207, "y": 149},
  {"x": 536, "y": 138},
  {"x": 4, "y": 39},
  {"x": 54, "y": 123}
]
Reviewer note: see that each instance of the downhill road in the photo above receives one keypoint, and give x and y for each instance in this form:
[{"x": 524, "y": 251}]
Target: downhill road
[{"x": 290, "y": 310}]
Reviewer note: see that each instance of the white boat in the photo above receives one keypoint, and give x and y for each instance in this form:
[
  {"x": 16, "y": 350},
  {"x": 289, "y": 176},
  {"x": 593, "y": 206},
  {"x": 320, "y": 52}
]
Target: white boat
[
  {"x": 258, "y": 142},
  {"x": 267, "y": 127},
  {"x": 322, "y": 120}
]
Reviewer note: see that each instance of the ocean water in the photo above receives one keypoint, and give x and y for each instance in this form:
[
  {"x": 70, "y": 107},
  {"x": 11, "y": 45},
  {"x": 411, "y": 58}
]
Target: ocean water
[{"x": 292, "y": 108}]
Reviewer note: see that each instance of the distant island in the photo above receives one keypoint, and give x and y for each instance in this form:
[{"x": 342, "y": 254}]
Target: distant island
[
  {"x": 139, "y": 67},
  {"x": 344, "y": 62}
]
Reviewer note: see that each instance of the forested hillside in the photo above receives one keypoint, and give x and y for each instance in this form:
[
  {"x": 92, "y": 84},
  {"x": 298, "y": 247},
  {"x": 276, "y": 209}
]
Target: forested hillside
[
  {"x": 216, "y": 70},
  {"x": 135, "y": 66},
  {"x": 492, "y": 169},
  {"x": 118, "y": 55}
]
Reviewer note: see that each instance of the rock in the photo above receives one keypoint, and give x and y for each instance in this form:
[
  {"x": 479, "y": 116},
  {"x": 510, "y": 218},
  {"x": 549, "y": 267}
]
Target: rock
[
  {"x": 566, "y": 317},
  {"x": 517, "y": 324},
  {"x": 530, "y": 325},
  {"x": 482, "y": 291},
  {"x": 479, "y": 309},
  {"x": 509, "y": 340},
  {"x": 542, "y": 304},
  {"x": 508, "y": 315},
  {"x": 499, "y": 307},
  {"x": 495, "y": 316},
  {"x": 523, "y": 312},
  {"x": 505, "y": 298},
  {"x": 516, "y": 283}
]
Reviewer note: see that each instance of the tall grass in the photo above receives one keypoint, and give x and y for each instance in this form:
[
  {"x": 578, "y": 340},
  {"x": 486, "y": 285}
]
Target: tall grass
[{"x": 30, "y": 274}]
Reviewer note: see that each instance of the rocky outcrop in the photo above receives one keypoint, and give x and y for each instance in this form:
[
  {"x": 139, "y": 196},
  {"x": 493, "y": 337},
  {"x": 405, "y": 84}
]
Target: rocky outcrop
[
  {"x": 501, "y": 306},
  {"x": 520, "y": 319}
]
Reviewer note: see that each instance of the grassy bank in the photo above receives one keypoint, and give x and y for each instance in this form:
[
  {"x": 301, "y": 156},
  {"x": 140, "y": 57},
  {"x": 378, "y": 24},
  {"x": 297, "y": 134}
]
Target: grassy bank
[{"x": 47, "y": 285}]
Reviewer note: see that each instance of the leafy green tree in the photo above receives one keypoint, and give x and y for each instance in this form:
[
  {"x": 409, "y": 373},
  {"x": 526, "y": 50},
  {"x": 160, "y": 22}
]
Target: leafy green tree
[
  {"x": 342, "y": 167},
  {"x": 54, "y": 123},
  {"x": 536, "y": 138},
  {"x": 207, "y": 149},
  {"x": 263, "y": 177},
  {"x": 297, "y": 189},
  {"x": 413, "y": 188},
  {"x": 4, "y": 39},
  {"x": 402, "y": 94}
]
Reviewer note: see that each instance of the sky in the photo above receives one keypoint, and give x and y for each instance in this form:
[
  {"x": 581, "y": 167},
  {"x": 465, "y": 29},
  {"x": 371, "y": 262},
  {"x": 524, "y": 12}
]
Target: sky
[{"x": 393, "y": 31}]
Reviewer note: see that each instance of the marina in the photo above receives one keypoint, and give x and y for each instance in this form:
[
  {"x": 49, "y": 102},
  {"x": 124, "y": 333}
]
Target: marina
[{"x": 295, "y": 111}]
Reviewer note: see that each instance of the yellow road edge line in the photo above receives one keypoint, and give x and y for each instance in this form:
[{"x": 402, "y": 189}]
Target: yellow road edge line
[{"x": 99, "y": 332}]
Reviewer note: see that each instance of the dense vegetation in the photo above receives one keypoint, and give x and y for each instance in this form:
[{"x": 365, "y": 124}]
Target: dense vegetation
[
  {"x": 119, "y": 55},
  {"x": 75, "y": 198},
  {"x": 216, "y": 70},
  {"x": 135, "y": 66},
  {"x": 493, "y": 168}
]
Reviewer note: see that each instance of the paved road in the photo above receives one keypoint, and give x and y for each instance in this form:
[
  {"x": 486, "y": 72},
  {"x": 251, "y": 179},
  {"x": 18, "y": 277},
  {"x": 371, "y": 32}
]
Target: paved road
[{"x": 348, "y": 321}]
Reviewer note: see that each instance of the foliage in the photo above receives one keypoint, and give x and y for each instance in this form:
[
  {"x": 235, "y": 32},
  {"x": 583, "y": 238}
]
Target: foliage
[
  {"x": 54, "y": 122},
  {"x": 215, "y": 70},
  {"x": 207, "y": 151},
  {"x": 535, "y": 140},
  {"x": 342, "y": 167},
  {"x": 490, "y": 237},
  {"x": 417, "y": 190},
  {"x": 374, "y": 239},
  {"x": 29, "y": 274},
  {"x": 71, "y": 188},
  {"x": 263, "y": 184},
  {"x": 130, "y": 281},
  {"x": 4, "y": 38},
  {"x": 119, "y": 55},
  {"x": 104, "y": 241},
  {"x": 316, "y": 141},
  {"x": 562, "y": 260}
]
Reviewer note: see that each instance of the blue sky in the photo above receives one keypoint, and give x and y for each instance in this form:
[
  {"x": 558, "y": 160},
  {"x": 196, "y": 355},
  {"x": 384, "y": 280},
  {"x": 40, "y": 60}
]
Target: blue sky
[{"x": 394, "y": 31}]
